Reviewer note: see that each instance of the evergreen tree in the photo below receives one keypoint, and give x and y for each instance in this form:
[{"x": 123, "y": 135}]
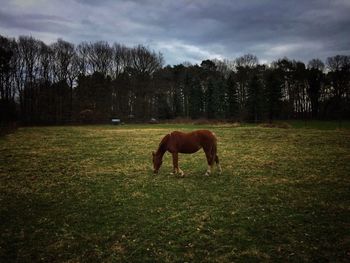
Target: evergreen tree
[
  {"x": 232, "y": 97},
  {"x": 94, "y": 93},
  {"x": 177, "y": 101},
  {"x": 255, "y": 98},
  {"x": 195, "y": 99},
  {"x": 273, "y": 93},
  {"x": 220, "y": 101},
  {"x": 210, "y": 101},
  {"x": 315, "y": 77},
  {"x": 7, "y": 100},
  {"x": 164, "y": 110}
]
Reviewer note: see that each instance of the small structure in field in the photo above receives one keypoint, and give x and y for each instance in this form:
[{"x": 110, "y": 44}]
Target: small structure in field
[
  {"x": 115, "y": 121},
  {"x": 153, "y": 121}
]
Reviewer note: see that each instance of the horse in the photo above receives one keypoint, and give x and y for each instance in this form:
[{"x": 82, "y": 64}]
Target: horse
[{"x": 179, "y": 142}]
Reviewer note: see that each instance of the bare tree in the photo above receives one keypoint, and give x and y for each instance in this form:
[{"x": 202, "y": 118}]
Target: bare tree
[
  {"x": 100, "y": 56},
  {"x": 339, "y": 67},
  {"x": 82, "y": 51},
  {"x": 7, "y": 87},
  {"x": 316, "y": 64},
  {"x": 144, "y": 61},
  {"x": 223, "y": 66},
  {"x": 339, "y": 76},
  {"x": 121, "y": 58},
  {"x": 29, "y": 51},
  {"x": 315, "y": 79},
  {"x": 6, "y": 55},
  {"x": 247, "y": 60},
  {"x": 244, "y": 67},
  {"x": 63, "y": 53},
  {"x": 45, "y": 62},
  {"x": 337, "y": 62}
]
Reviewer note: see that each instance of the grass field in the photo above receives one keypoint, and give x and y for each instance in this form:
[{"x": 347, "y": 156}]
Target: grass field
[{"x": 87, "y": 194}]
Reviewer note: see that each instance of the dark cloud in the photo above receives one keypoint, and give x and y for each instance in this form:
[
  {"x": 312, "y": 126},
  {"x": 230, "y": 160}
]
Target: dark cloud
[
  {"x": 34, "y": 22},
  {"x": 193, "y": 30}
]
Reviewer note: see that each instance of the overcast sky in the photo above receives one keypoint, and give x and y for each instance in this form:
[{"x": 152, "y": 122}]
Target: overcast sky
[{"x": 190, "y": 30}]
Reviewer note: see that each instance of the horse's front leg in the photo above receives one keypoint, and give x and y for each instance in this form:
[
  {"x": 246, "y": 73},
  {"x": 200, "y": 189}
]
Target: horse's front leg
[{"x": 176, "y": 164}]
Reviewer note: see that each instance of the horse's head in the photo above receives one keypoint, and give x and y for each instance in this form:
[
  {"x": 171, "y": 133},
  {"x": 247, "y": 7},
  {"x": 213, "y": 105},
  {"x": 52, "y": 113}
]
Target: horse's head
[{"x": 157, "y": 162}]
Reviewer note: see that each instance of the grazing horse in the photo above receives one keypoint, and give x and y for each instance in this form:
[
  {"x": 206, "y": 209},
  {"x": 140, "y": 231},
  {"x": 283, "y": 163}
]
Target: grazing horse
[{"x": 179, "y": 142}]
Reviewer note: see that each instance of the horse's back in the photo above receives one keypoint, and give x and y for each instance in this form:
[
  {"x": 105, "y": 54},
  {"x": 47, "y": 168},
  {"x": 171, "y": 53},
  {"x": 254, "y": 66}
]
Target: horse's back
[
  {"x": 201, "y": 134},
  {"x": 192, "y": 141},
  {"x": 207, "y": 138},
  {"x": 206, "y": 134}
]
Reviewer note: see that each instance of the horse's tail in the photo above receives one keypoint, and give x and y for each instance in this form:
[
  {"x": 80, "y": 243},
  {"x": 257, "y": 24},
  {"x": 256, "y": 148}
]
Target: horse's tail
[
  {"x": 214, "y": 150},
  {"x": 215, "y": 154}
]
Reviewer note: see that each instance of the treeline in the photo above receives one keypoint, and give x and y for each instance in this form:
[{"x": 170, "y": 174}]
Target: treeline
[{"x": 93, "y": 82}]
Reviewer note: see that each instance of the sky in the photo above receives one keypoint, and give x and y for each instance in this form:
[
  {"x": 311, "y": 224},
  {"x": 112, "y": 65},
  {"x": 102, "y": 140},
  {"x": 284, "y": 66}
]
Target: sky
[{"x": 190, "y": 30}]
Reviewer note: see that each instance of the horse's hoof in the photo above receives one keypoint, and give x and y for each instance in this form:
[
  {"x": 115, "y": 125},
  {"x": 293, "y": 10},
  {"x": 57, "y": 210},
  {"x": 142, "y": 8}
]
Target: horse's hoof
[
  {"x": 206, "y": 174},
  {"x": 181, "y": 173}
]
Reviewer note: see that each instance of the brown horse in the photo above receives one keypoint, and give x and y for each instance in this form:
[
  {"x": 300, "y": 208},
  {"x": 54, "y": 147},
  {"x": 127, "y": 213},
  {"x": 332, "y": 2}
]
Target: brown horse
[{"x": 179, "y": 142}]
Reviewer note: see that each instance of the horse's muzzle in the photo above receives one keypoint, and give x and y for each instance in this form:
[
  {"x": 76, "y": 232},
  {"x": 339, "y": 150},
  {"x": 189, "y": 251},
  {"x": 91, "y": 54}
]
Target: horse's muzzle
[{"x": 155, "y": 171}]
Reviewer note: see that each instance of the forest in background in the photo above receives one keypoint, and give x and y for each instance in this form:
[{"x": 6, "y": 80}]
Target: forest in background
[{"x": 93, "y": 82}]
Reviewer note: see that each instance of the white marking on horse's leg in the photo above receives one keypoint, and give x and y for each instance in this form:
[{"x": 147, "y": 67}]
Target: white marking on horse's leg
[
  {"x": 181, "y": 172},
  {"x": 220, "y": 169},
  {"x": 208, "y": 172}
]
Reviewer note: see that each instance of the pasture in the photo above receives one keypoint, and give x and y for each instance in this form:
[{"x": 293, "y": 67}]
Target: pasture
[{"x": 87, "y": 194}]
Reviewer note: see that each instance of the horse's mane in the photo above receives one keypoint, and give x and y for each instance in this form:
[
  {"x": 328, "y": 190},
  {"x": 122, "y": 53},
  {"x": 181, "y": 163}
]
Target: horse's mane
[{"x": 163, "y": 144}]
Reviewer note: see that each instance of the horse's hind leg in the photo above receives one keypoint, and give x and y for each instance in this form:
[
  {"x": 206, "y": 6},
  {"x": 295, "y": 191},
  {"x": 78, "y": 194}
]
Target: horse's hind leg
[
  {"x": 218, "y": 163},
  {"x": 210, "y": 161},
  {"x": 216, "y": 158}
]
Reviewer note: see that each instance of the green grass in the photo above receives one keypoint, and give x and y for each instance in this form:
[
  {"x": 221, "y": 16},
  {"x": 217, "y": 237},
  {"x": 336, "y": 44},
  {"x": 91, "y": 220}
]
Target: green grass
[
  {"x": 322, "y": 125},
  {"x": 87, "y": 194}
]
